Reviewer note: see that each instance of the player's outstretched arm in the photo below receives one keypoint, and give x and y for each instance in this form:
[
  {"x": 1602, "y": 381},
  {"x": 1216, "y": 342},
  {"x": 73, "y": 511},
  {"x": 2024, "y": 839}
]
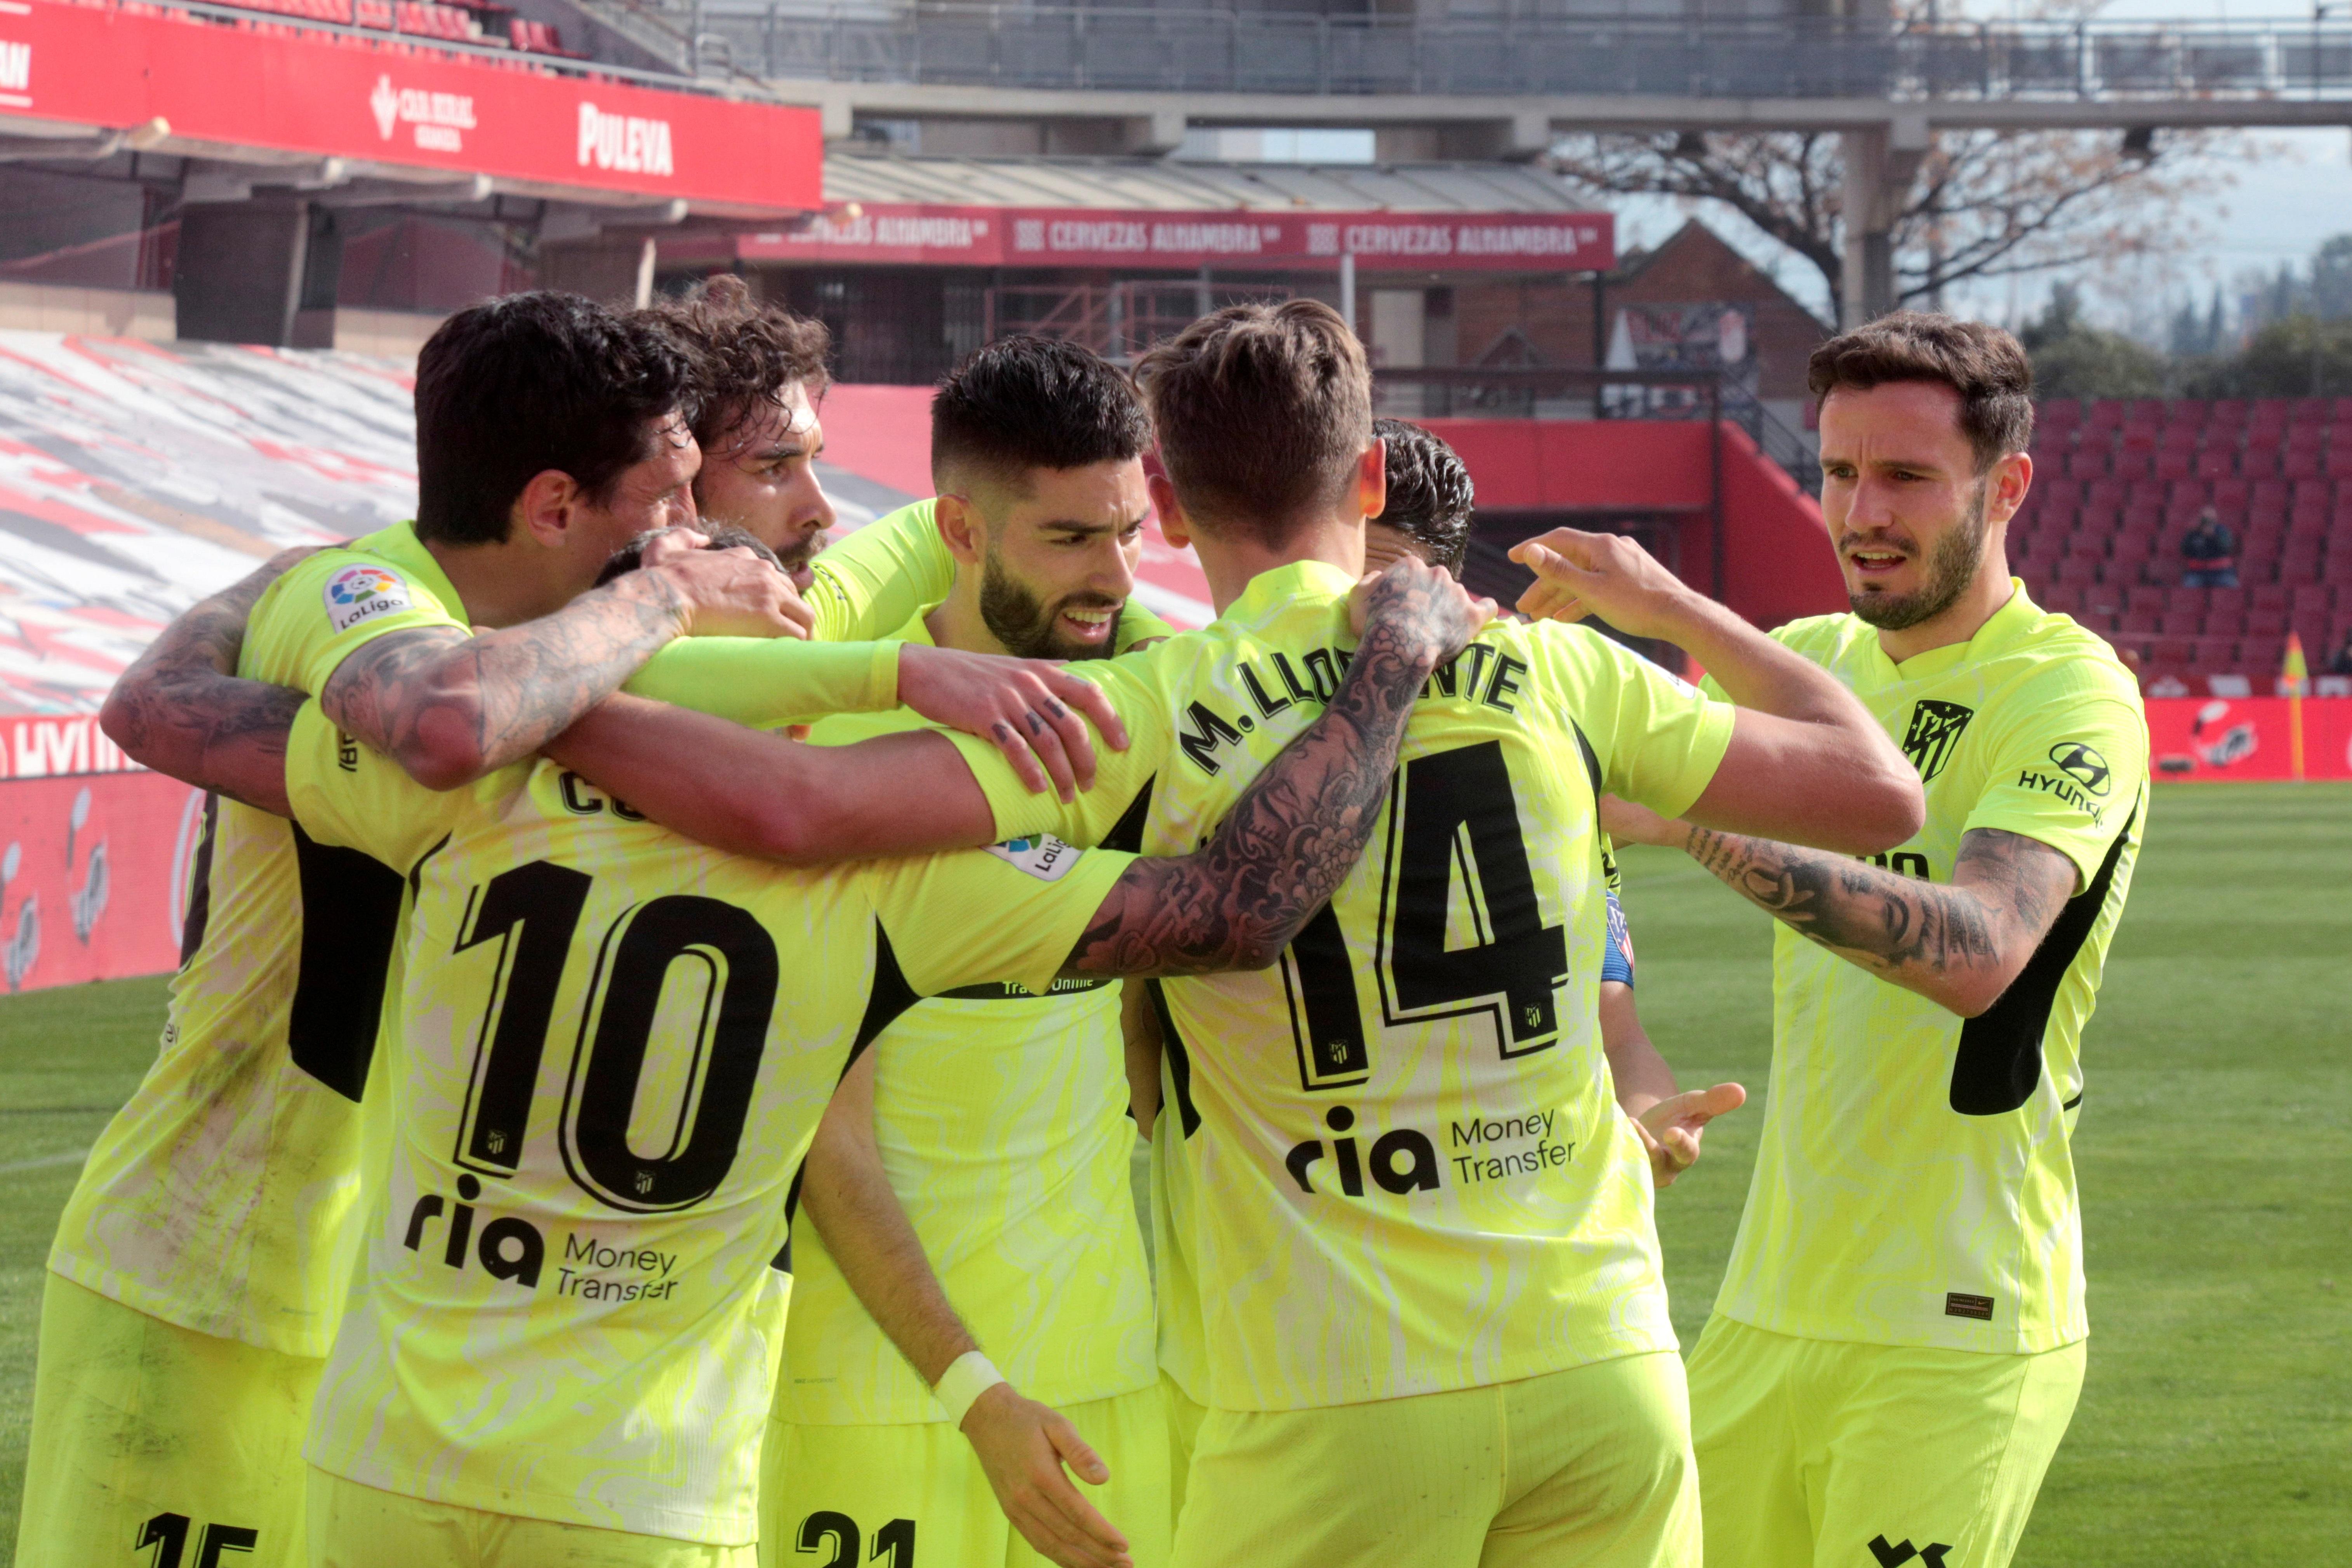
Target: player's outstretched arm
[
  {"x": 1807, "y": 763},
  {"x": 1022, "y": 1445},
  {"x": 450, "y": 708},
  {"x": 1959, "y": 943},
  {"x": 1236, "y": 902},
  {"x": 181, "y": 710}
]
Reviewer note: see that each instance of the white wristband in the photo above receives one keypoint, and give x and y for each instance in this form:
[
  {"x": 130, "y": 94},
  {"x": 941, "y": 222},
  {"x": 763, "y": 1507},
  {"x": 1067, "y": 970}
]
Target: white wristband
[{"x": 970, "y": 1375}]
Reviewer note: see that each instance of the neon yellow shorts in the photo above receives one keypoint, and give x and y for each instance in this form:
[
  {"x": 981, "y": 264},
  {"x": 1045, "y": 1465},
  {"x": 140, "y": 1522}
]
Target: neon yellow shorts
[
  {"x": 147, "y": 1434},
  {"x": 1815, "y": 1453},
  {"x": 355, "y": 1526},
  {"x": 867, "y": 1494},
  {"x": 1589, "y": 1468},
  {"x": 1184, "y": 1417}
]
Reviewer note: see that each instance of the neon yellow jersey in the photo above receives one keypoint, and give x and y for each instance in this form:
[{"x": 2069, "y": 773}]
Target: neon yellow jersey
[
  {"x": 1915, "y": 1185},
  {"x": 223, "y": 1196},
  {"x": 1404, "y": 1169},
  {"x": 878, "y": 576},
  {"x": 1002, "y": 1118},
  {"x": 614, "y": 1046}
]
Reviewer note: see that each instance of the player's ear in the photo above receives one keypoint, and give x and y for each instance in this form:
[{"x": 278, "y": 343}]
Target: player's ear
[
  {"x": 2006, "y": 485},
  {"x": 959, "y": 526},
  {"x": 1372, "y": 480},
  {"x": 544, "y": 508},
  {"x": 1173, "y": 527}
]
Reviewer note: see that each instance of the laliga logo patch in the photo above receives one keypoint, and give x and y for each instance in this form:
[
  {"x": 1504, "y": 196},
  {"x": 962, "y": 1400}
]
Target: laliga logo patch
[
  {"x": 358, "y": 593},
  {"x": 1045, "y": 858}
]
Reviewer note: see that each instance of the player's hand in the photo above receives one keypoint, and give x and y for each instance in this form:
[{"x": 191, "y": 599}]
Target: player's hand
[
  {"x": 1028, "y": 707},
  {"x": 1605, "y": 574},
  {"x": 1670, "y": 1130},
  {"x": 727, "y": 593},
  {"x": 1630, "y": 824},
  {"x": 1023, "y": 1446},
  {"x": 1435, "y": 613}
]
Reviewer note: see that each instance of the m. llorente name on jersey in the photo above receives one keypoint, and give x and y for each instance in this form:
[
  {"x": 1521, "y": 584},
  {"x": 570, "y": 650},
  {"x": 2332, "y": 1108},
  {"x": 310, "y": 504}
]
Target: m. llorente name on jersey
[
  {"x": 511, "y": 1248},
  {"x": 1402, "y": 1161},
  {"x": 1275, "y": 685}
]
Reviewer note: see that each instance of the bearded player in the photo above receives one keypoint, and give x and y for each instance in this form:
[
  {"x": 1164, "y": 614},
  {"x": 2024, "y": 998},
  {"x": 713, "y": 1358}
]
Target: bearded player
[
  {"x": 972, "y": 1309},
  {"x": 1898, "y": 1342}
]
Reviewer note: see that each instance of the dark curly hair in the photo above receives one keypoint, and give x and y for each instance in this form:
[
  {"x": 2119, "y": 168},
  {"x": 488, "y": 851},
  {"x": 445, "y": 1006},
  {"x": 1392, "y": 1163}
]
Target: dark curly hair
[
  {"x": 1430, "y": 496},
  {"x": 745, "y": 353},
  {"x": 515, "y": 387},
  {"x": 720, "y": 536},
  {"x": 1024, "y": 403}
]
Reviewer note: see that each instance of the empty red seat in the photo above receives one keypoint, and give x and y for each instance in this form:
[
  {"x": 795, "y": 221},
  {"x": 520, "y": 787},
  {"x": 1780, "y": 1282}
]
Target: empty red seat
[
  {"x": 2146, "y": 621},
  {"x": 2215, "y": 462},
  {"x": 2261, "y": 656},
  {"x": 2172, "y": 651}
]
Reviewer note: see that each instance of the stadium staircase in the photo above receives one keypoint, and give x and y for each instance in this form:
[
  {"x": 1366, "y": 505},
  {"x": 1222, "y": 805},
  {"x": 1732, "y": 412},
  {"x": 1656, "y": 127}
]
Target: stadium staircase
[{"x": 2117, "y": 483}]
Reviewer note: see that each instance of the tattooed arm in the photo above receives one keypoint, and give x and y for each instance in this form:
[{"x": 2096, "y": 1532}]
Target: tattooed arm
[
  {"x": 1298, "y": 828},
  {"x": 450, "y": 708},
  {"x": 181, "y": 710},
  {"x": 1958, "y": 943}
]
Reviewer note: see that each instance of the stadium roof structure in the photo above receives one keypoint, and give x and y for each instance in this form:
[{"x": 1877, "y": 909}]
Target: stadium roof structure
[{"x": 855, "y": 175}]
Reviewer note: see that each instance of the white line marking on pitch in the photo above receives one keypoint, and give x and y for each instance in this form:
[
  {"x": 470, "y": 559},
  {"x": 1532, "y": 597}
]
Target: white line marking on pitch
[{"x": 70, "y": 1157}]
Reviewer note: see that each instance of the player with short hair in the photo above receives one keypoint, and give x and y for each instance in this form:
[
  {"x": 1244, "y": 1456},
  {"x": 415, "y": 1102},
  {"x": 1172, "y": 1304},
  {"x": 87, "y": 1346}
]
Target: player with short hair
[
  {"x": 199, "y": 1267},
  {"x": 968, "y": 1187},
  {"x": 1898, "y": 1342},
  {"x": 570, "y": 1302},
  {"x": 1412, "y": 1231}
]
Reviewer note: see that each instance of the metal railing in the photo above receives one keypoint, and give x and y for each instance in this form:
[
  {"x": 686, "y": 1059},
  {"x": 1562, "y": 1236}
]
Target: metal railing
[
  {"x": 1564, "y": 392},
  {"x": 518, "y": 59},
  {"x": 1143, "y": 48}
]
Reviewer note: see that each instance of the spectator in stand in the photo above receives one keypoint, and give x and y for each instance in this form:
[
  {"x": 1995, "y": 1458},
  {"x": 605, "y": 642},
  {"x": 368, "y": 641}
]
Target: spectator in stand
[
  {"x": 2211, "y": 551},
  {"x": 2340, "y": 662}
]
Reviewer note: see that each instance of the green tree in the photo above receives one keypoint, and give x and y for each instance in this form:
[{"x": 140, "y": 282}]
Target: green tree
[
  {"x": 2073, "y": 359},
  {"x": 2301, "y": 356}
]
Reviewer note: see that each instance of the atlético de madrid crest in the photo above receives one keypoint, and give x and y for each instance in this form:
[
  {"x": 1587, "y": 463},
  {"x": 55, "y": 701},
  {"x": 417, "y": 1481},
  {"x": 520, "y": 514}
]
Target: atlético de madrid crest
[{"x": 1935, "y": 729}]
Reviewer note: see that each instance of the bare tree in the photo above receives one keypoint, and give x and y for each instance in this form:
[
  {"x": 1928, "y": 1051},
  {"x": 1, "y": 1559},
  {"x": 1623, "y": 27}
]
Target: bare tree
[{"x": 1985, "y": 204}]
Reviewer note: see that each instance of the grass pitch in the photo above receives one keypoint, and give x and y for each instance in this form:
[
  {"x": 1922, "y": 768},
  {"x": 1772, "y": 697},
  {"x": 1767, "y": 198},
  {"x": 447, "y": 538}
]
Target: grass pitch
[{"x": 2215, "y": 1152}]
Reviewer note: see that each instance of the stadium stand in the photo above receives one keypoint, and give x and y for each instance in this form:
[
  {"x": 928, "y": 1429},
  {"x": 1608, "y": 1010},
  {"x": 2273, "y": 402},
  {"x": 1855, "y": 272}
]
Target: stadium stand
[
  {"x": 452, "y": 21},
  {"x": 2117, "y": 483}
]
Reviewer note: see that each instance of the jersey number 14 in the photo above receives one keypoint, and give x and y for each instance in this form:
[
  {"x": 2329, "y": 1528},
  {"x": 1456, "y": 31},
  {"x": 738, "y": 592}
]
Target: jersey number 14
[{"x": 1455, "y": 822}]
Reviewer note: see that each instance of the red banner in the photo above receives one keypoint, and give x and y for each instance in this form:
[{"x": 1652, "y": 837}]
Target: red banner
[
  {"x": 2217, "y": 739},
  {"x": 337, "y": 96},
  {"x": 1286, "y": 241},
  {"x": 91, "y": 875}
]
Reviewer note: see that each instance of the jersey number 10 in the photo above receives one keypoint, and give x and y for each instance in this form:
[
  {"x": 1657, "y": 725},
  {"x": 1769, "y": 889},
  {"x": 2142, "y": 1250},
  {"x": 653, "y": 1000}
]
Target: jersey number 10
[
  {"x": 532, "y": 913},
  {"x": 1456, "y": 815}
]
